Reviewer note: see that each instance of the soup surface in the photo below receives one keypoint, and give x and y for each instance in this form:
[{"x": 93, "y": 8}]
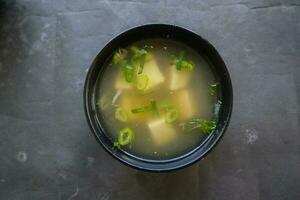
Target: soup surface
[{"x": 157, "y": 99}]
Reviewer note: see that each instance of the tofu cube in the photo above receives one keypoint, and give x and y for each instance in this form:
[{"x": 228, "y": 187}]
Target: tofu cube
[
  {"x": 128, "y": 101},
  {"x": 179, "y": 79},
  {"x": 151, "y": 69},
  {"x": 184, "y": 104},
  {"x": 161, "y": 132},
  {"x": 121, "y": 83}
]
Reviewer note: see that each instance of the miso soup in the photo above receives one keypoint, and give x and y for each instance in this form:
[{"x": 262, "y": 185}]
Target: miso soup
[{"x": 157, "y": 99}]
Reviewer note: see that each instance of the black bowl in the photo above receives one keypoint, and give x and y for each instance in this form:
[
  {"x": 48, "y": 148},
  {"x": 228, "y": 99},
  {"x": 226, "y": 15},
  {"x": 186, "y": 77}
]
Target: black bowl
[{"x": 191, "y": 39}]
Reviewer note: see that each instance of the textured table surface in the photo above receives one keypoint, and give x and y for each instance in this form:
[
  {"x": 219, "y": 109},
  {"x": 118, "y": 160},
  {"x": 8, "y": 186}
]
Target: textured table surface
[{"x": 47, "y": 151}]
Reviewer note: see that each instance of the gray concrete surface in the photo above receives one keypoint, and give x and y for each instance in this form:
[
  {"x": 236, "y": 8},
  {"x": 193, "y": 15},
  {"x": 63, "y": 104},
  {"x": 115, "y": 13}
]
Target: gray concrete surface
[{"x": 47, "y": 151}]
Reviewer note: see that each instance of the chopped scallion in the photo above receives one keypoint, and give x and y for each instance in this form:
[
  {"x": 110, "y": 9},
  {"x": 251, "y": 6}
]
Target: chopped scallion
[
  {"x": 116, "y": 145},
  {"x": 205, "y": 126},
  {"x": 142, "y": 61},
  {"x": 213, "y": 89},
  {"x": 139, "y": 56},
  {"x": 151, "y": 108},
  {"x": 178, "y": 61},
  {"x": 119, "y": 55},
  {"x": 182, "y": 63},
  {"x": 189, "y": 65},
  {"x": 142, "y": 82},
  {"x": 139, "y": 110},
  {"x": 128, "y": 72},
  {"x": 126, "y": 136}
]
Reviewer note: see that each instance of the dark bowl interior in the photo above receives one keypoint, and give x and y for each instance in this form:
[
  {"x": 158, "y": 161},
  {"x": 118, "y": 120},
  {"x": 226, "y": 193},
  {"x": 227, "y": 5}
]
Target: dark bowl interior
[{"x": 204, "y": 48}]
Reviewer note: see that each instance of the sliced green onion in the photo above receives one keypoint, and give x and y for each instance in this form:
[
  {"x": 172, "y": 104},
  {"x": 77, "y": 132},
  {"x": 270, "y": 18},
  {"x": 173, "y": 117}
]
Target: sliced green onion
[
  {"x": 207, "y": 126},
  {"x": 116, "y": 145},
  {"x": 142, "y": 82},
  {"x": 139, "y": 56},
  {"x": 126, "y": 136},
  {"x": 213, "y": 89},
  {"x": 154, "y": 106},
  {"x": 142, "y": 52},
  {"x": 137, "y": 53},
  {"x": 139, "y": 110},
  {"x": 148, "y": 47},
  {"x": 189, "y": 65},
  {"x": 121, "y": 114},
  {"x": 151, "y": 108},
  {"x": 119, "y": 55},
  {"x": 179, "y": 60},
  {"x": 128, "y": 72},
  {"x": 142, "y": 63},
  {"x": 182, "y": 63},
  {"x": 181, "y": 55},
  {"x": 171, "y": 115},
  {"x": 134, "y": 50}
]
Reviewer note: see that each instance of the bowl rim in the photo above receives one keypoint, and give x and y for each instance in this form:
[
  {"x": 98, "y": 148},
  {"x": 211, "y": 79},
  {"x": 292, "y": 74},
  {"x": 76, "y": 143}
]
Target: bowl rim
[{"x": 212, "y": 144}]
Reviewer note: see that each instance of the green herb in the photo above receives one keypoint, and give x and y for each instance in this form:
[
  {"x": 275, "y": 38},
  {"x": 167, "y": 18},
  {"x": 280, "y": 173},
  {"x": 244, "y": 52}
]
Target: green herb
[
  {"x": 178, "y": 61},
  {"x": 128, "y": 72},
  {"x": 140, "y": 110},
  {"x": 205, "y": 126},
  {"x": 134, "y": 50},
  {"x": 148, "y": 47},
  {"x": 142, "y": 61},
  {"x": 213, "y": 89},
  {"x": 171, "y": 115},
  {"x": 126, "y": 136},
  {"x": 142, "y": 82},
  {"x": 120, "y": 59},
  {"x": 116, "y": 145},
  {"x": 139, "y": 55},
  {"x": 119, "y": 55},
  {"x": 189, "y": 65},
  {"x": 151, "y": 108},
  {"x": 121, "y": 114},
  {"x": 181, "y": 63}
]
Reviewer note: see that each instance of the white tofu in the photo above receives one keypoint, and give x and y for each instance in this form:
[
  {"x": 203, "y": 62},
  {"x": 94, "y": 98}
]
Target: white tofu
[
  {"x": 184, "y": 104},
  {"x": 179, "y": 79},
  {"x": 152, "y": 71},
  {"x": 161, "y": 132},
  {"x": 121, "y": 83},
  {"x": 128, "y": 101}
]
